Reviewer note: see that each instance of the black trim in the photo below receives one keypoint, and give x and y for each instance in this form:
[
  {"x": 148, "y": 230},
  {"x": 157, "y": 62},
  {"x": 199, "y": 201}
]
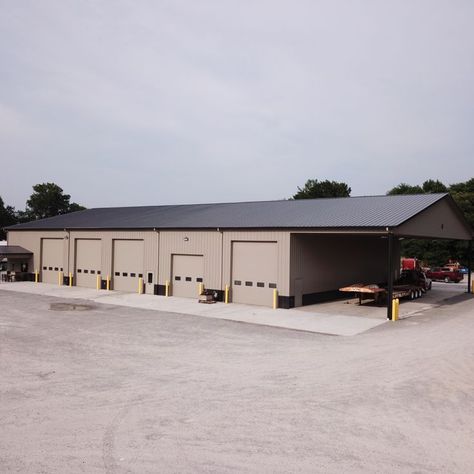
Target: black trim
[
  {"x": 286, "y": 302},
  {"x": 323, "y": 296},
  {"x": 159, "y": 290},
  {"x": 103, "y": 284},
  {"x": 66, "y": 280}
]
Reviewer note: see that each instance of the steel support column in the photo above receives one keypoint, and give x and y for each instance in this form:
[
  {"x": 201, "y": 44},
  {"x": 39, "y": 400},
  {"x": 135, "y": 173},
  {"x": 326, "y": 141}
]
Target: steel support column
[{"x": 390, "y": 276}]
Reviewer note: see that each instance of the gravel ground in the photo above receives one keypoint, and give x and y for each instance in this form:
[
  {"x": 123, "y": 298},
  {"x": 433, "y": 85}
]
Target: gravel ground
[{"x": 117, "y": 390}]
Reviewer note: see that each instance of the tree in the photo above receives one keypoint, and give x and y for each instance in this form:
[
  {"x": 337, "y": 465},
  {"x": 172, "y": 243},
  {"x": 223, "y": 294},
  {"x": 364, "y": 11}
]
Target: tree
[
  {"x": 431, "y": 186},
  {"x": 404, "y": 188},
  {"x": 49, "y": 200},
  {"x": 428, "y": 187},
  {"x": 322, "y": 189},
  {"x": 7, "y": 218}
]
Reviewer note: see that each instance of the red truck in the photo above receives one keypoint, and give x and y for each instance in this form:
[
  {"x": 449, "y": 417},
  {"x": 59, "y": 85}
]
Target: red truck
[
  {"x": 410, "y": 264},
  {"x": 445, "y": 274}
]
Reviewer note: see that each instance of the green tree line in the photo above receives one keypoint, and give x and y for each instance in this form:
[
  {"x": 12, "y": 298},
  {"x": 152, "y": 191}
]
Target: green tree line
[{"x": 47, "y": 200}]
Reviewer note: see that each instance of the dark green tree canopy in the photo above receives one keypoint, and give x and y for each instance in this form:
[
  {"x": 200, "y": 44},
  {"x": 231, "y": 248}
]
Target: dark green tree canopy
[
  {"x": 49, "y": 200},
  {"x": 322, "y": 189},
  {"x": 404, "y": 188},
  {"x": 428, "y": 187},
  {"x": 7, "y": 218},
  {"x": 434, "y": 186}
]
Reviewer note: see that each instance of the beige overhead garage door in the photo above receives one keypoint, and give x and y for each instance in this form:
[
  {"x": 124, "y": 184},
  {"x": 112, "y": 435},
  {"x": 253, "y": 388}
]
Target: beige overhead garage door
[
  {"x": 254, "y": 272},
  {"x": 52, "y": 254},
  {"x": 88, "y": 262},
  {"x": 187, "y": 273},
  {"x": 128, "y": 264}
]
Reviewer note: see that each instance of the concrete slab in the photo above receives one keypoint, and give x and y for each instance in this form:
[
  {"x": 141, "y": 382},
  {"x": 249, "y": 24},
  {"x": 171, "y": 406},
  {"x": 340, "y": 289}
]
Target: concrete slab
[{"x": 311, "y": 321}]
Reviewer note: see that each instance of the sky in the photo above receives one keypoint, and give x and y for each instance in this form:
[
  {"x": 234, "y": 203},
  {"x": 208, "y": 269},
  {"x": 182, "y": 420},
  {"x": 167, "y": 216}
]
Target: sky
[{"x": 137, "y": 102}]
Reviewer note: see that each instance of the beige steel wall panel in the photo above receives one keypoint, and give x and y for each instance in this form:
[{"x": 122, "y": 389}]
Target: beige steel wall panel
[
  {"x": 326, "y": 263},
  {"x": 438, "y": 221},
  {"x": 31, "y": 240},
  {"x": 205, "y": 243},
  {"x": 282, "y": 238},
  {"x": 150, "y": 259}
]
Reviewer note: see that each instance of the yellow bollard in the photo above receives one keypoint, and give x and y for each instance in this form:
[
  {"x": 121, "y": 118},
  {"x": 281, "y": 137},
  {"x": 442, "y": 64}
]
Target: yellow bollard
[
  {"x": 275, "y": 299},
  {"x": 226, "y": 294},
  {"x": 108, "y": 283},
  {"x": 70, "y": 279},
  {"x": 98, "y": 282},
  {"x": 60, "y": 277},
  {"x": 200, "y": 289},
  {"x": 395, "y": 309},
  {"x": 36, "y": 276},
  {"x": 167, "y": 288},
  {"x": 140, "y": 286}
]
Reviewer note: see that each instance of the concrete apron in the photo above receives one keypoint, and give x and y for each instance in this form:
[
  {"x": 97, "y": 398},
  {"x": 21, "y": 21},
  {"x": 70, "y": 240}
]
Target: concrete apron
[
  {"x": 329, "y": 323},
  {"x": 338, "y": 318}
]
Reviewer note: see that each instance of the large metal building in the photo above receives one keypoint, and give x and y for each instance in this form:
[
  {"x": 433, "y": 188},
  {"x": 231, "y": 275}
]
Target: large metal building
[{"x": 305, "y": 249}]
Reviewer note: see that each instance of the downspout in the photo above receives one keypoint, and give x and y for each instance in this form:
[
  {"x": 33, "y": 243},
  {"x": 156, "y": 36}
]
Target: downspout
[
  {"x": 390, "y": 274},
  {"x": 68, "y": 237},
  {"x": 222, "y": 259}
]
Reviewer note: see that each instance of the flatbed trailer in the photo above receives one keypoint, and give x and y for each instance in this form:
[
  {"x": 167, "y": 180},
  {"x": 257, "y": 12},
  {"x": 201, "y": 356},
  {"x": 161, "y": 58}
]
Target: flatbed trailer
[{"x": 379, "y": 294}]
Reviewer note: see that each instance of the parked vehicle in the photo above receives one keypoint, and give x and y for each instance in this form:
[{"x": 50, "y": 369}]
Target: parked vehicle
[
  {"x": 410, "y": 264},
  {"x": 415, "y": 278},
  {"x": 445, "y": 274}
]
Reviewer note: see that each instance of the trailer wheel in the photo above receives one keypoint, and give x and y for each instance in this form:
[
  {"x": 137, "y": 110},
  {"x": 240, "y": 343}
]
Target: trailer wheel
[
  {"x": 412, "y": 295},
  {"x": 420, "y": 293},
  {"x": 446, "y": 280}
]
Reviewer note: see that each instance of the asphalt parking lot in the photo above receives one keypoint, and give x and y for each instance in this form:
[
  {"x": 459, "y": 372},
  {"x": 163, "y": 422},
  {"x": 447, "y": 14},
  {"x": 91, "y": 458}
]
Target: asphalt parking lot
[{"x": 102, "y": 388}]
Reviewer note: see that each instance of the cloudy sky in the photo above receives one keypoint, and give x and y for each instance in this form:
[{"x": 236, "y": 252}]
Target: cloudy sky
[{"x": 151, "y": 102}]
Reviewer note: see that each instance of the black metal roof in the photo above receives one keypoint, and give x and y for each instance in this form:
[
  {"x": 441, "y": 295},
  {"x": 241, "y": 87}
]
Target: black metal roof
[
  {"x": 353, "y": 212},
  {"x": 13, "y": 250}
]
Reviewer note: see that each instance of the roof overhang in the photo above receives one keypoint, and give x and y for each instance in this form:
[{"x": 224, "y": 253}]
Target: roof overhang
[
  {"x": 442, "y": 220},
  {"x": 14, "y": 251}
]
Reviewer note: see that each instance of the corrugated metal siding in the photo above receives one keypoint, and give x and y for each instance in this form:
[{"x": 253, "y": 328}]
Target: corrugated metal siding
[
  {"x": 206, "y": 243},
  {"x": 283, "y": 240},
  {"x": 150, "y": 238},
  {"x": 31, "y": 241},
  {"x": 438, "y": 219},
  {"x": 326, "y": 263}
]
